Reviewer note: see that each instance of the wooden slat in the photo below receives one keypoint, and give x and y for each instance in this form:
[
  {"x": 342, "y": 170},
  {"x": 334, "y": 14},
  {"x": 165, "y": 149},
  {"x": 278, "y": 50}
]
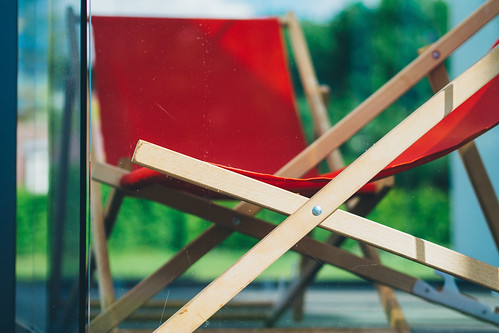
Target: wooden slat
[
  {"x": 248, "y": 225},
  {"x": 474, "y": 166},
  {"x": 392, "y": 90},
  {"x": 318, "y": 99},
  {"x": 330, "y": 198},
  {"x": 387, "y": 296},
  {"x": 291, "y": 171},
  {"x": 163, "y": 276},
  {"x": 99, "y": 246},
  {"x": 415, "y": 249},
  {"x": 428, "y": 115},
  {"x": 342, "y": 222},
  {"x": 313, "y": 91},
  {"x": 361, "y": 207},
  {"x": 485, "y": 193},
  {"x": 107, "y": 174},
  {"x": 99, "y": 241}
]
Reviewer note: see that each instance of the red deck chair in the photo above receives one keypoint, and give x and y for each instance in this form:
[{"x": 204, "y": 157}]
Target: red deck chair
[
  {"x": 331, "y": 254},
  {"x": 462, "y": 110},
  {"x": 217, "y": 90},
  {"x": 446, "y": 122}
]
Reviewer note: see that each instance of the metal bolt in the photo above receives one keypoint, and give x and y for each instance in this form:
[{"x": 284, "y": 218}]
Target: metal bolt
[
  {"x": 317, "y": 210},
  {"x": 435, "y": 54},
  {"x": 236, "y": 220}
]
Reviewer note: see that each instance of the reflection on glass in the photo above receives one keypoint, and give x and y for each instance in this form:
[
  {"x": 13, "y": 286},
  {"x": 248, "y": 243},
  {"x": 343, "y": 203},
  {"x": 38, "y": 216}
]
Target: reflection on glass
[{"x": 48, "y": 197}]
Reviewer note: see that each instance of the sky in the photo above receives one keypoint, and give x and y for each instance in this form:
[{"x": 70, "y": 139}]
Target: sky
[{"x": 314, "y": 10}]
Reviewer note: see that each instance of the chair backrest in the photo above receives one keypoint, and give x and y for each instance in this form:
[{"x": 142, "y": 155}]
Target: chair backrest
[
  {"x": 218, "y": 90},
  {"x": 475, "y": 116}
]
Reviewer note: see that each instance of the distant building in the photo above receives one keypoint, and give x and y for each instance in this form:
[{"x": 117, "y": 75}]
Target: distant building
[{"x": 470, "y": 233}]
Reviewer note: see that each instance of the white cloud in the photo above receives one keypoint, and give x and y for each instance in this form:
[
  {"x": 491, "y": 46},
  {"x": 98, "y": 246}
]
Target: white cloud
[
  {"x": 173, "y": 8},
  {"x": 315, "y": 10}
]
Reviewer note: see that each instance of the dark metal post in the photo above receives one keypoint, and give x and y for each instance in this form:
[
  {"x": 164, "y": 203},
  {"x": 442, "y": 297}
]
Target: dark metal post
[{"x": 8, "y": 123}]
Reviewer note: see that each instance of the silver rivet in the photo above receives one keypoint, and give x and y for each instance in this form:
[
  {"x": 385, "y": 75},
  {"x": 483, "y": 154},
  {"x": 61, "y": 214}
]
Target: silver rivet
[
  {"x": 317, "y": 210},
  {"x": 435, "y": 54},
  {"x": 236, "y": 220}
]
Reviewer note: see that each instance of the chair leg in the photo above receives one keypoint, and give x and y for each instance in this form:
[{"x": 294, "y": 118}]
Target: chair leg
[
  {"x": 102, "y": 223},
  {"x": 305, "y": 218},
  {"x": 298, "y": 302},
  {"x": 308, "y": 272},
  {"x": 484, "y": 190},
  {"x": 161, "y": 278},
  {"x": 362, "y": 206},
  {"x": 387, "y": 296},
  {"x": 473, "y": 164},
  {"x": 147, "y": 288},
  {"x": 106, "y": 291},
  {"x": 113, "y": 204}
]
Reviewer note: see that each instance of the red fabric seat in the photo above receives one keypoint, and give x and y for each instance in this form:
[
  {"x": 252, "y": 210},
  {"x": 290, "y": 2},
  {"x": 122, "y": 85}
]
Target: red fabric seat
[
  {"x": 216, "y": 90},
  {"x": 474, "y": 117},
  {"x": 192, "y": 86}
]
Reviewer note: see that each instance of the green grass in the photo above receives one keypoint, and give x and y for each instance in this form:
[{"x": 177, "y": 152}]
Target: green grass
[
  {"x": 31, "y": 267},
  {"x": 138, "y": 264},
  {"x": 147, "y": 234},
  {"x": 135, "y": 264}
]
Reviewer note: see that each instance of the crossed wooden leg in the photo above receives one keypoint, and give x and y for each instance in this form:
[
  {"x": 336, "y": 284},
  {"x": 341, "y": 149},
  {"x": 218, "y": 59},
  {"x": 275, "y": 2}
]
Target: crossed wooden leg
[
  {"x": 205, "y": 209},
  {"x": 251, "y": 226},
  {"x": 323, "y": 207}
]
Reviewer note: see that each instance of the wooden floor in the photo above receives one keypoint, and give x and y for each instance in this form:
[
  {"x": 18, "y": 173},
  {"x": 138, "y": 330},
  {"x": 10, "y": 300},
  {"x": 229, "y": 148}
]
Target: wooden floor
[
  {"x": 328, "y": 309},
  {"x": 280, "y": 330}
]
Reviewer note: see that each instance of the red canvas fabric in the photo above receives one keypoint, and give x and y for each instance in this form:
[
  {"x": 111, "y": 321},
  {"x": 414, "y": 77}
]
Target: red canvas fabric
[
  {"x": 475, "y": 116},
  {"x": 144, "y": 177},
  {"x": 217, "y": 90}
]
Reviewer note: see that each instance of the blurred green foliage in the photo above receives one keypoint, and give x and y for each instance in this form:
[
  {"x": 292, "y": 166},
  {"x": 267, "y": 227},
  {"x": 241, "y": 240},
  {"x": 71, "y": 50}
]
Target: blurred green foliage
[
  {"x": 355, "y": 53},
  {"x": 32, "y": 230},
  {"x": 361, "y": 49}
]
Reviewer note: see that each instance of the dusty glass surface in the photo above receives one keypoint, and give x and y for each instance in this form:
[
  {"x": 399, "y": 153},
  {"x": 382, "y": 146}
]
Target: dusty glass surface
[
  {"x": 355, "y": 48},
  {"x": 49, "y": 294}
]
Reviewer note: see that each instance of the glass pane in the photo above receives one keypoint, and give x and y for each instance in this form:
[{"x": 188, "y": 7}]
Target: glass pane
[{"x": 49, "y": 273}]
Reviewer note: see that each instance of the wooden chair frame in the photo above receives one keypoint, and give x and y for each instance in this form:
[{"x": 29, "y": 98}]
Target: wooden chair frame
[
  {"x": 303, "y": 221},
  {"x": 323, "y": 208},
  {"x": 113, "y": 312},
  {"x": 366, "y": 111},
  {"x": 473, "y": 164}
]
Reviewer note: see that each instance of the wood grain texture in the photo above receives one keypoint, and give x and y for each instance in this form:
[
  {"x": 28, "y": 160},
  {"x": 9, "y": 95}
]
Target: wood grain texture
[
  {"x": 330, "y": 198},
  {"x": 485, "y": 193},
  {"x": 99, "y": 241},
  {"x": 247, "y": 224},
  {"x": 392, "y": 90},
  {"x": 474, "y": 166},
  {"x": 316, "y": 94},
  {"x": 99, "y": 245}
]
